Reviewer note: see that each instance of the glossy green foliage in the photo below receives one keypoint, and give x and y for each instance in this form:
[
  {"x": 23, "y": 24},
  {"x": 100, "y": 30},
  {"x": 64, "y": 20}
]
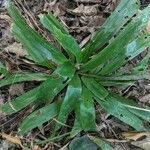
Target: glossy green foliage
[
  {"x": 89, "y": 143},
  {"x": 39, "y": 49},
  {"x": 116, "y": 47},
  {"x": 70, "y": 101},
  {"x": 81, "y": 77},
  {"x": 123, "y": 13},
  {"x": 3, "y": 70},
  {"x": 39, "y": 117},
  {"x": 20, "y": 77},
  {"x": 46, "y": 91},
  {"x": 102, "y": 144},
  {"x": 63, "y": 36},
  {"x": 95, "y": 88},
  {"x": 85, "y": 110},
  {"x": 82, "y": 143},
  {"x": 117, "y": 109}
]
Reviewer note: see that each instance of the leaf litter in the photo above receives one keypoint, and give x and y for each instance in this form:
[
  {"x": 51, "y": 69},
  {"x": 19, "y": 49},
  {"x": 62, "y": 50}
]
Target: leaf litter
[{"x": 80, "y": 21}]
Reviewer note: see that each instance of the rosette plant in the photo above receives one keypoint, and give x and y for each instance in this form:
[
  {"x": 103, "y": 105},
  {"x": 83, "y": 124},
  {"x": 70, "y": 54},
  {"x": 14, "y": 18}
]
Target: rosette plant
[{"x": 80, "y": 77}]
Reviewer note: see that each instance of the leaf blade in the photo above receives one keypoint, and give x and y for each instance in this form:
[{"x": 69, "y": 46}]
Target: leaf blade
[
  {"x": 86, "y": 110},
  {"x": 21, "y": 77},
  {"x": 62, "y": 36},
  {"x": 123, "y": 13},
  {"x": 113, "y": 105},
  {"x": 132, "y": 50},
  {"x": 129, "y": 33},
  {"x": 38, "y": 117},
  {"x": 70, "y": 101},
  {"x": 95, "y": 88},
  {"x": 39, "y": 49},
  {"x": 47, "y": 90}
]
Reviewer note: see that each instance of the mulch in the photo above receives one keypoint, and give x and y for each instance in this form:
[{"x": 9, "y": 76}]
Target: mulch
[{"x": 82, "y": 18}]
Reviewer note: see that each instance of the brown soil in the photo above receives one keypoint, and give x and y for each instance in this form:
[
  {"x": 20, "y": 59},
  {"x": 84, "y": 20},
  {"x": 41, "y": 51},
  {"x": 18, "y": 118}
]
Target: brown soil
[{"x": 82, "y": 25}]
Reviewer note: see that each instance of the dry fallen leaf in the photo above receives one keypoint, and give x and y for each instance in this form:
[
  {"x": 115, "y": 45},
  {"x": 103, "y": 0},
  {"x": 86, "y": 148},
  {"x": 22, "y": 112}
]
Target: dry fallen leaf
[
  {"x": 12, "y": 139},
  {"x": 17, "y": 49},
  {"x": 16, "y": 89},
  {"x": 36, "y": 147},
  {"x": 145, "y": 99},
  {"x": 85, "y": 10},
  {"x": 144, "y": 144},
  {"x": 5, "y": 17},
  {"x": 134, "y": 135}
]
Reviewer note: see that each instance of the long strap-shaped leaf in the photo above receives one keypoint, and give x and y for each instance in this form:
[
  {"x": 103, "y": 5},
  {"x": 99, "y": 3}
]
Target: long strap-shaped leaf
[
  {"x": 38, "y": 48},
  {"x": 3, "y": 70},
  {"x": 125, "y": 10},
  {"x": 21, "y": 77},
  {"x": 133, "y": 107},
  {"x": 62, "y": 36},
  {"x": 20, "y": 102},
  {"x": 128, "y": 34},
  {"x": 115, "y": 107},
  {"x": 95, "y": 87},
  {"x": 112, "y": 104},
  {"x": 86, "y": 110},
  {"x": 129, "y": 52},
  {"x": 72, "y": 98},
  {"x": 46, "y": 91},
  {"x": 39, "y": 117},
  {"x": 122, "y": 80}
]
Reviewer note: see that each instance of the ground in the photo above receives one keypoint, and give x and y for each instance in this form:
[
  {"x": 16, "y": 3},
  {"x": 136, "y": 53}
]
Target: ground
[{"x": 82, "y": 18}]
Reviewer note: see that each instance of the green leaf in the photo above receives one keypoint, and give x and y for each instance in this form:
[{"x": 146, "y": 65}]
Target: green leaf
[
  {"x": 3, "y": 70},
  {"x": 82, "y": 143},
  {"x": 102, "y": 144},
  {"x": 62, "y": 36},
  {"x": 127, "y": 35},
  {"x": 143, "y": 113},
  {"x": 70, "y": 101},
  {"x": 126, "y": 77},
  {"x": 86, "y": 110},
  {"x": 95, "y": 88},
  {"x": 38, "y": 48},
  {"x": 129, "y": 52},
  {"x": 39, "y": 117},
  {"x": 20, "y": 77},
  {"x": 54, "y": 84},
  {"x": 116, "y": 83},
  {"x": 20, "y": 102},
  {"x": 134, "y": 108},
  {"x": 46, "y": 91},
  {"x": 114, "y": 105},
  {"x": 122, "y": 80},
  {"x": 113, "y": 24}
]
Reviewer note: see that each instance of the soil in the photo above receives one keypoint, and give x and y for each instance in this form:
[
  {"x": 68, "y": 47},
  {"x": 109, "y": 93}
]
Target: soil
[{"x": 81, "y": 23}]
